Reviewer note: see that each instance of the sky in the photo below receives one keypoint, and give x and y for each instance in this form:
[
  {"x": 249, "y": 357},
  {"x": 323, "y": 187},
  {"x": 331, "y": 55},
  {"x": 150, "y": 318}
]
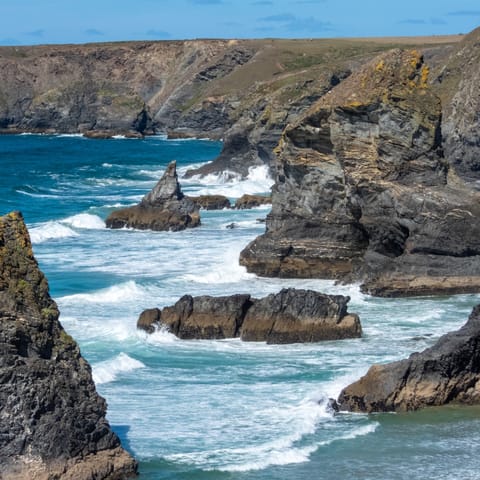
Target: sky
[{"x": 30, "y": 22}]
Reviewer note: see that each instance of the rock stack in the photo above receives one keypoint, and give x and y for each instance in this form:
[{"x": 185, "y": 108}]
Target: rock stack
[
  {"x": 290, "y": 316},
  {"x": 164, "y": 208},
  {"x": 448, "y": 372},
  {"x": 52, "y": 420}
]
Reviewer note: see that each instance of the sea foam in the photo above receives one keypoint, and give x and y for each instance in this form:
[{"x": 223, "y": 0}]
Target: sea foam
[{"x": 107, "y": 371}]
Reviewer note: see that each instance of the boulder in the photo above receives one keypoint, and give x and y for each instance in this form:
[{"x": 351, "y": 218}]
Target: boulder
[
  {"x": 52, "y": 420},
  {"x": 363, "y": 192},
  {"x": 300, "y": 316},
  {"x": 163, "y": 208},
  {"x": 251, "y": 201},
  {"x": 211, "y": 202},
  {"x": 291, "y": 316},
  {"x": 448, "y": 372}
]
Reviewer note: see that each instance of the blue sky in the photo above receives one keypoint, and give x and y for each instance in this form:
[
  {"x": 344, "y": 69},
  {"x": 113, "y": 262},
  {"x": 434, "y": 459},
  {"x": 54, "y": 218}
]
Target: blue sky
[{"x": 26, "y": 22}]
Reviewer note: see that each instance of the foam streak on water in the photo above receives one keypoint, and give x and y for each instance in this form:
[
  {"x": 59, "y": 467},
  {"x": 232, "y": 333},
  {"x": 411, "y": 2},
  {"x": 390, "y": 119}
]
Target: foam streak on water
[{"x": 216, "y": 409}]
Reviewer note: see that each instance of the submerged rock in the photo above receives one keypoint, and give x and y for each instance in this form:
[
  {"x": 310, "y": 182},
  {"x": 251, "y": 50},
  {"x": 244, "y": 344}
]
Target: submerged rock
[
  {"x": 163, "y": 208},
  {"x": 252, "y": 201},
  {"x": 448, "y": 372},
  {"x": 52, "y": 420},
  {"x": 211, "y": 202},
  {"x": 363, "y": 191},
  {"x": 290, "y": 316}
]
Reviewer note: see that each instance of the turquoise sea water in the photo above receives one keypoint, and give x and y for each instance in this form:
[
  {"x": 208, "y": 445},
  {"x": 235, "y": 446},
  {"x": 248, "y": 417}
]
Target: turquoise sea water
[{"x": 217, "y": 409}]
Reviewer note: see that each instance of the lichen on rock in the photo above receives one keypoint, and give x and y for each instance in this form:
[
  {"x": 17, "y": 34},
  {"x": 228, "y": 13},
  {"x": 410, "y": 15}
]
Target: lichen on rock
[{"x": 52, "y": 420}]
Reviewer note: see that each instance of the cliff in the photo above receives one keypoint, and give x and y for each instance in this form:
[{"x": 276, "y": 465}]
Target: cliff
[
  {"x": 365, "y": 190},
  {"x": 448, "y": 372},
  {"x": 245, "y": 91},
  {"x": 52, "y": 421}
]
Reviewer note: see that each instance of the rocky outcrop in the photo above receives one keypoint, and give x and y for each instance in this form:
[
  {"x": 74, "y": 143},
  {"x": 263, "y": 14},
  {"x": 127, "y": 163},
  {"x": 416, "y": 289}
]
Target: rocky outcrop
[
  {"x": 242, "y": 91},
  {"x": 251, "y": 201},
  {"x": 363, "y": 191},
  {"x": 163, "y": 208},
  {"x": 290, "y": 316},
  {"x": 211, "y": 202},
  {"x": 448, "y": 372},
  {"x": 52, "y": 421}
]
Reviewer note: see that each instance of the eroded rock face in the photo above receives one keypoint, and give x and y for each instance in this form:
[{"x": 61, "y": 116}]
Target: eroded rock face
[
  {"x": 290, "y": 316},
  {"x": 52, "y": 421},
  {"x": 448, "y": 372},
  {"x": 364, "y": 193},
  {"x": 211, "y": 202},
  {"x": 163, "y": 208}
]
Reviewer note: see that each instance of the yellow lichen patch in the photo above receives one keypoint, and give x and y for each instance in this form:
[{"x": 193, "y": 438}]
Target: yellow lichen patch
[
  {"x": 281, "y": 143},
  {"x": 424, "y": 76},
  {"x": 415, "y": 59},
  {"x": 380, "y": 66}
]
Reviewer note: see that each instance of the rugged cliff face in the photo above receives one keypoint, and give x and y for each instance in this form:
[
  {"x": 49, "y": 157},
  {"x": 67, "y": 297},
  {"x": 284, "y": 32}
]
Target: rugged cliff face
[
  {"x": 244, "y": 91},
  {"x": 364, "y": 192},
  {"x": 52, "y": 421},
  {"x": 448, "y": 372}
]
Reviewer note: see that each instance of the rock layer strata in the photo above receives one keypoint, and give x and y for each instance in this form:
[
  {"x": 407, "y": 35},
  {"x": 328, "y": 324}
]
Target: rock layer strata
[
  {"x": 364, "y": 192},
  {"x": 52, "y": 421},
  {"x": 165, "y": 207},
  {"x": 290, "y": 316},
  {"x": 448, "y": 372}
]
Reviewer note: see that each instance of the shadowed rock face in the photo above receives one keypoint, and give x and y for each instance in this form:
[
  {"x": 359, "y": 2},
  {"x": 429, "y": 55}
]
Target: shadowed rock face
[
  {"x": 363, "y": 191},
  {"x": 251, "y": 201},
  {"x": 290, "y": 316},
  {"x": 52, "y": 421},
  {"x": 163, "y": 208},
  {"x": 448, "y": 372}
]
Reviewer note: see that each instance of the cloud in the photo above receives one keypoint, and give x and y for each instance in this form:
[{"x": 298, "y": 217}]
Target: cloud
[
  {"x": 413, "y": 21},
  {"x": 9, "y": 41},
  {"x": 282, "y": 17},
  {"x": 36, "y": 33},
  {"x": 159, "y": 34},
  {"x": 422, "y": 21},
  {"x": 287, "y": 22},
  {"x": 93, "y": 32},
  {"x": 207, "y": 2},
  {"x": 465, "y": 13}
]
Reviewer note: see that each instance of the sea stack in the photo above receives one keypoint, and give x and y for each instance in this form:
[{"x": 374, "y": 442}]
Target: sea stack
[
  {"x": 448, "y": 372},
  {"x": 164, "y": 208},
  {"x": 364, "y": 193},
  {"x": 290, "y": 316},
  {"x": 52, "y": 420}
]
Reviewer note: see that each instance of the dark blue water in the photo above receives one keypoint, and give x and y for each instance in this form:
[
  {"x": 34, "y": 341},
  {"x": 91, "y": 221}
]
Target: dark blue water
[{"x": 220, "y": 409}]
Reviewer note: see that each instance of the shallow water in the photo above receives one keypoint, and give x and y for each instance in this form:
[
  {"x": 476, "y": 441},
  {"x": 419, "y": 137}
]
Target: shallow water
[{"x": 217, "y": 409}]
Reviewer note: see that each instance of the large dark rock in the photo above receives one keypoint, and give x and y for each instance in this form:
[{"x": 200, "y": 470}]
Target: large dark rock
[
  {"x": 290, "y": 316},
  {"x": 448, "y": 372},
  {"x": 163, "y": 208},
  {"x": 52, "y": 421},
  {"x": 363, "y": 191}
]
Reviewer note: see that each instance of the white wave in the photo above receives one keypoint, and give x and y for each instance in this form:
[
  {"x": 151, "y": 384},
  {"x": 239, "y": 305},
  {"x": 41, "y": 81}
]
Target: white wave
[
  {"x": 107, "y": 165},
  {"x": 118, "y": 293},
  {"x": 107, "y": 371},
  {"x": 85, "y": 221},
  {"x": 69, "y": 135},
  {"x": 228, "y": 271},
  {"x": 230, "y": 183},
  {"x": 49, "y": 231},
  {"x": 160, "y": 336}
]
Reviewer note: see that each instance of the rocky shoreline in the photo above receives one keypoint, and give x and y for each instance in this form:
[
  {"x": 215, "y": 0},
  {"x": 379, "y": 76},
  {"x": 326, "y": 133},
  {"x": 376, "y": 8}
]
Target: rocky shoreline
[
  {"x": 53, "y": 421},
  {"x": 290, "y": 316}
]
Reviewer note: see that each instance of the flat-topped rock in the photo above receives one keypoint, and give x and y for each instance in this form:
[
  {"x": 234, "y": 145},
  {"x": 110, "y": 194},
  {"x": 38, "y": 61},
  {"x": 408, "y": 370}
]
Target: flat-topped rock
[
  {"x": 165, "y": 207},
  {"x": 211, "y": 202},
  {"x": 290, "y": 316},
  {"x": 448, "y": 372},
  {"x": 52, "y": 420},
  {"x": 251, "y": 201}
]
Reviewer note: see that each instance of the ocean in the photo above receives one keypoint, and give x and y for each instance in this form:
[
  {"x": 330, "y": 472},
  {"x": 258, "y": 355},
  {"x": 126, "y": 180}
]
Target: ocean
[{"x": 218, "y": 410}]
